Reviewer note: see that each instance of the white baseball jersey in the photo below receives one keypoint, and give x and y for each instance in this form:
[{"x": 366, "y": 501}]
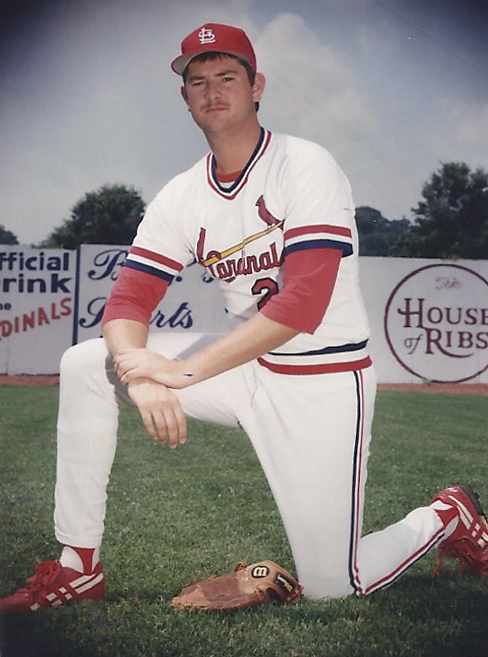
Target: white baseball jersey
[{"x": 291, "y": 197}]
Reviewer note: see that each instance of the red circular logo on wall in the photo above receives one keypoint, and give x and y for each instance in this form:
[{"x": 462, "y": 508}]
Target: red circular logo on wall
[{"x": 436, "y": 323}]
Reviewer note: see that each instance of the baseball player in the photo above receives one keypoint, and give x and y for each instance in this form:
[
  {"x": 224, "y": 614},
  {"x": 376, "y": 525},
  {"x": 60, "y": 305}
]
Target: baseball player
[{"x": 272, "y": 218}]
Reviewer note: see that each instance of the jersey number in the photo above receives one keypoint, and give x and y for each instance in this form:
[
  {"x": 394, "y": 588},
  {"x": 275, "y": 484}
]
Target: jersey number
[{"x": 266, "y": 287}]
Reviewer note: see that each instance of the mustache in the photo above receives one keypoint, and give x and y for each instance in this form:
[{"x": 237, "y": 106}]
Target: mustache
[{"x": 214, "y": 106}]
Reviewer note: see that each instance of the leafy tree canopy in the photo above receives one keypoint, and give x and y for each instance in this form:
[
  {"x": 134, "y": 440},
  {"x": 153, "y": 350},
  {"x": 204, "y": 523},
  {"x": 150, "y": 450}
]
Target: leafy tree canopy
[
  {"x": 452, "y": 219},
  {"x": 108, "y": 216},
  {"x": 377, "y": 235},
  {"x": 7, "y": 237}
]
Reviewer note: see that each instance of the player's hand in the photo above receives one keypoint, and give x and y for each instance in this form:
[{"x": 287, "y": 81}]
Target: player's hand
[
  {"x": 160, "y": 410},
  {"x": 133, "y": 364}
]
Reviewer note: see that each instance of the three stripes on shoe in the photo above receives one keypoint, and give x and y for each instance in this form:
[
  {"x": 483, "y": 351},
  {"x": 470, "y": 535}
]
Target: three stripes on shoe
[{"x": 72, "y": 590}]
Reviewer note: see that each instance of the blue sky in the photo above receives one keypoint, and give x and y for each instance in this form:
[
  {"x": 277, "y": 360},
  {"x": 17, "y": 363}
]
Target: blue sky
[{"x": 391, "y": 87}]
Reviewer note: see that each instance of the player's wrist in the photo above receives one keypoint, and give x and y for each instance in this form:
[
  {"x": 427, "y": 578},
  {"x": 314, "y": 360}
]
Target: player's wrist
[
  {"x": 143, "y": 381},
  {"x": 182, "y": 374}
]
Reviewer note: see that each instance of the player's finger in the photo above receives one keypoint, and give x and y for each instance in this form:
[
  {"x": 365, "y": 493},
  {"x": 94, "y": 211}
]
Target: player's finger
[
  {"x": 126, "y": 375},
  {"x": 121, "y": 369},
  {"x": 170, "y": 422},
  {"x": 124, "y": 363},
  {"x": 155, "y": 430},
  {"x": 125, "y": 378},
  {"x": 180, "y": 418},
  {"x": 160, "y": 426},
  {"x": 172, "y": 429},
  {"x": 167, "y": 427}
]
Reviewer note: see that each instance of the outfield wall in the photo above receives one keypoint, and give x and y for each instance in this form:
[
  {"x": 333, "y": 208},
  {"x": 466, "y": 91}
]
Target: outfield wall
[{"x": 429, "y": 318}]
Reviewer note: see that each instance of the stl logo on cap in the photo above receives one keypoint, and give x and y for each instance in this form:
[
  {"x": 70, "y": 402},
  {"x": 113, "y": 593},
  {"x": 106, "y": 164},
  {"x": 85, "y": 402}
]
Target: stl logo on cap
[
  {"x": 231, "y": 41},
  {"x": 206, "y": 35}
]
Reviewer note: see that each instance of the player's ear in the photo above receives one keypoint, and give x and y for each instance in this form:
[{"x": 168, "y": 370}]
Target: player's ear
[
  {"x": 258, "y": 87},
  {"x": 184, "y": 94}
]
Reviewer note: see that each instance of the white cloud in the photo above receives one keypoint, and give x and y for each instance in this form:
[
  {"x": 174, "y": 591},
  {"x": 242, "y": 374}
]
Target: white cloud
[
  {"x": 462, "y": 135},
  {"x": 314, "y": 93},
  {"x": 471, "y": 124},
  {"x": 311, "y": 92}
]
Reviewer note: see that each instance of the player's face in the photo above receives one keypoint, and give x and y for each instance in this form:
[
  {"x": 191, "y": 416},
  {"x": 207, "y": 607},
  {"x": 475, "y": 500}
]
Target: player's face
[{"x": 219, "y": 95}]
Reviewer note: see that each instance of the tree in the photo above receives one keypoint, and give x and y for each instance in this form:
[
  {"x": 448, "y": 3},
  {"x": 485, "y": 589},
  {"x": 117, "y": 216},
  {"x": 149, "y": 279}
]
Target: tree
[
  {"x": 7, "y": 237},
  {"x": 108, "y": 216},
  {"x": 377, "y": 235},
  {"x": 452, "y": 220}
]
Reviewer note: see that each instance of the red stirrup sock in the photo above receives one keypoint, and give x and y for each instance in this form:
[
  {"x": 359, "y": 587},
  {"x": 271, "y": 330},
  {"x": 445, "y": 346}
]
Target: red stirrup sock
[
  {"x": 448, "y": 514},
  {"x": 83, "y": 560}
]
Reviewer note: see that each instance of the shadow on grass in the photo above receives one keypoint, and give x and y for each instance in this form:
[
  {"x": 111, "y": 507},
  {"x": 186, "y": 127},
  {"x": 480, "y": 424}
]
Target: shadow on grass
[{"x": 419, "y": 617}]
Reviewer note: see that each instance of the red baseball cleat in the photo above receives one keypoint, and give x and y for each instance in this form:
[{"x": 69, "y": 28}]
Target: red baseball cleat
[
  {"x": 53, "y": 585},
  {"x": 469, "y": 541}
]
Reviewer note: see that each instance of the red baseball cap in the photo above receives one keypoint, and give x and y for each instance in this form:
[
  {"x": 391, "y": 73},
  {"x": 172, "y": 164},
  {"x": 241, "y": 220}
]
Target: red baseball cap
[{"x": 213, "y": 37}]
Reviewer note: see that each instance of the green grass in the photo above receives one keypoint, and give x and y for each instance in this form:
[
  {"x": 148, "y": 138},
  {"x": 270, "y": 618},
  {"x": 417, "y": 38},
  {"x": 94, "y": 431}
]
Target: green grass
[{"x": 175, "y": 516}]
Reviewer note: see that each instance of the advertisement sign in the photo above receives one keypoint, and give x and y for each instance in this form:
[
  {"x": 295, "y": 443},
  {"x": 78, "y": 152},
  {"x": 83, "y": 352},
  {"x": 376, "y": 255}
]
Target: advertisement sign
[
  {"x": 428, "y": 318},
  {"x": 191, "y": 304},
  {"x": 37, "y": 296},
  {"x": 436, "y": 323}
]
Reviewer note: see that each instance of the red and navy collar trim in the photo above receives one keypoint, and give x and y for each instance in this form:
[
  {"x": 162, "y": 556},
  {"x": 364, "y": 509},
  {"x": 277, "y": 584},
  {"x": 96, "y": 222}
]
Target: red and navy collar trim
[{"x": 232, "y": 191}]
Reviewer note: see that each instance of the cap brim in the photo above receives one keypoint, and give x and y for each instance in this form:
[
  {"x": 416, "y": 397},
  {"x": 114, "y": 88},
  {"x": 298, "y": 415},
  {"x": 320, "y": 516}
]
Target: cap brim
[{"x": 180, "y": 63}]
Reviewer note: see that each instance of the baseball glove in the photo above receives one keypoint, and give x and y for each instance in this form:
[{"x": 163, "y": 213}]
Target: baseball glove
[{"x": 247, "y": 586}]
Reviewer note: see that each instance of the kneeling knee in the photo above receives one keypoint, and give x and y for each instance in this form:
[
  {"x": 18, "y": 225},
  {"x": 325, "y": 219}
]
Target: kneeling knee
[{"x": 85, "y": 356}]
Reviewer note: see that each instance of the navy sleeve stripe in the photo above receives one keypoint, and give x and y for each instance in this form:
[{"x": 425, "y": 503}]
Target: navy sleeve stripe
[
  {"x": 340, "y": 349},
  {"x": 345, "y": 247},
  {"x": 149, "y": 270}
]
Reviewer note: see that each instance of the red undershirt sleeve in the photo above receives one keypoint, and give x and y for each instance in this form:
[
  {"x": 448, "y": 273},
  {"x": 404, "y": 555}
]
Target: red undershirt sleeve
[
  {"x": 135, "y": 295},
  {"x": 309, "y": 278}
]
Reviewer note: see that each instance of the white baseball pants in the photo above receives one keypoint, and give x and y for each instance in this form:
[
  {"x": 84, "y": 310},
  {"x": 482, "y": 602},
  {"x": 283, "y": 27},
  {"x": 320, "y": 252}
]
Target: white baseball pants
[{"x": 311, "y": 435}]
